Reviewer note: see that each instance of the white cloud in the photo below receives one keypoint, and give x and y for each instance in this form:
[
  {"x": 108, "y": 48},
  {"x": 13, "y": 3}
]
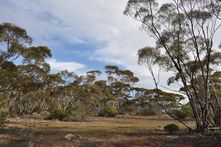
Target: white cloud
[
  {"x": 70, "y": 66},
  {"x": 77, "y": 21}
]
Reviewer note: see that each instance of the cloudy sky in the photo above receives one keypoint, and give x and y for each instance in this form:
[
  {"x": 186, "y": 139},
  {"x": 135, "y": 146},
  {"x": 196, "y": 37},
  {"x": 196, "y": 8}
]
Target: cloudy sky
[{"x": 82, "y": 34}]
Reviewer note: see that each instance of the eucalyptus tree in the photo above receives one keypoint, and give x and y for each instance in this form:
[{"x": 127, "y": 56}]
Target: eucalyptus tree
[
  {"x": 184, "y": 31},
  {"x": 13, "y": 40},
  {"x": 120, "y": 80},
  {"x": 121, "y": 83},
  {"x": 23, "y": 82}
]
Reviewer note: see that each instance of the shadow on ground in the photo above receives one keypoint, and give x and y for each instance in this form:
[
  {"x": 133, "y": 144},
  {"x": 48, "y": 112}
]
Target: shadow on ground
[{"x": 27, "y": 137}]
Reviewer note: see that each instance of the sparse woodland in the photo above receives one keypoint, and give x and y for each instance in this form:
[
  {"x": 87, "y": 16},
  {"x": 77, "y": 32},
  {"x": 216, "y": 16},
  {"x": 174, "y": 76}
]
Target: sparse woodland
[
  {"x": 184, "y": 31},
  {"x": 28, "y": 87}
]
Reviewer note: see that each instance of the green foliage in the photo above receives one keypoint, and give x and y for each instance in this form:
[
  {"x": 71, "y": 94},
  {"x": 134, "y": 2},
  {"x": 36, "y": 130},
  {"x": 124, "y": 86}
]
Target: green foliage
[
  {"x": 184, "y": 112},
  {"x": 29, "y": 88},
  {"x": 218, "y": 132},
  {"x": 108, "y": 111},
  {"x": 44, "y": 114},
  {"x": 3, "y": 116},
  {"x": 171, "y": 128},
  {"x": 147, "y": 111},
  {"x": 81, "y": 111},
  {"x": 56, "y": 113},
  {"x": 153, "y": 111},
  {"x": 187, "y": 110},
  {"x": 183, "y": 49},
  {"x": 180, "y": 114}
]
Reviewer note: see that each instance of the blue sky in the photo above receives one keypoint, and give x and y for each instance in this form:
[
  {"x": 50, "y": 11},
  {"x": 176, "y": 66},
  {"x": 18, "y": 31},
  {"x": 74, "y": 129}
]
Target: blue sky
[{"x": 82, "y": 34}]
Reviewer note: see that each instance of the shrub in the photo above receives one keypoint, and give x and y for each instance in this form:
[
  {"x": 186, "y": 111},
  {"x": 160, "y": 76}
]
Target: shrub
[
  {"x": 218, "y": 132},
  {"x": 171, "y": 128},
  {"x": 3, "y": 116},
  {"x": 44, "y": 114},
  {"x": 184, "y": 112},
  {"x": 180, "y": 114},
  {"x": 188, "y": 110},
  {"x": 81, "y": 111},
  {"x": 108, "y": 111},
  {"x": 57, "y": 114}
]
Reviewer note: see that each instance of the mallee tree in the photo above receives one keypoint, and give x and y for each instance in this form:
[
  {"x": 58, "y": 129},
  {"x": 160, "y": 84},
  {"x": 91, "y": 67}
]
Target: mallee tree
[{"x": 184, "y": 31}]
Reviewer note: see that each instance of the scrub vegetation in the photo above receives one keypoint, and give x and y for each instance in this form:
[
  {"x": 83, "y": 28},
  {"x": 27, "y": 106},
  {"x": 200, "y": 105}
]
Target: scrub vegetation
[{"x": 107, "y": 108}]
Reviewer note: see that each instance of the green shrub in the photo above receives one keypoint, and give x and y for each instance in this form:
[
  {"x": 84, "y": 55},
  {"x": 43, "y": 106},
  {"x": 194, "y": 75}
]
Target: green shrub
[
  {"x": 108, "y": 111},
  {"x": 180, "y": 114},
  {"x": 184, "y": 112},
  {"x": 44, "y": 114},
  {"x": 57, "y": 114},
  {"x": 218, "y": 132},
  {"x": 81, "y": 111},
  {"x": 3, "y": 116},
  {"x": 188, "y": 110},
  {"x": 171, "y": 128}
]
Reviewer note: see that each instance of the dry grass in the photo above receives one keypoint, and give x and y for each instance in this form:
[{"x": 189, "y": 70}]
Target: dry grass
[
  {"x": 100, "y": 123},
  {"x": 119, "y": 131}
]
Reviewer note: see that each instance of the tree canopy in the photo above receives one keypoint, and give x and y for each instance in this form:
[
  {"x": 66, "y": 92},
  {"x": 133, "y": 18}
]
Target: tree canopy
[
  {"x": 184, "y": 31},
  {"x": 28, "y": 87}
]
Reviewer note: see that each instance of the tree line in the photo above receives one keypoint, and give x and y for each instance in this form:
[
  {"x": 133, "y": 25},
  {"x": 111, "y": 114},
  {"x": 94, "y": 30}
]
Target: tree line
[{"x": 28, "y": 87}]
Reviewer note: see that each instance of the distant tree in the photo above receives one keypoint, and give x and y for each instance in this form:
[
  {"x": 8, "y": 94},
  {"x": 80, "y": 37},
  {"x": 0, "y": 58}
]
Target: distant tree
[
  {"x": 121, "y": 83},
  {"x": 150, "y": 102},
  {"x": 184, "y": 31}
]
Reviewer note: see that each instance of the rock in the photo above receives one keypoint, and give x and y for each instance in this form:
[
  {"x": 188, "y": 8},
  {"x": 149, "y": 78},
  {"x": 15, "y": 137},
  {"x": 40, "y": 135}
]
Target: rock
[
  {"x": 69, "y": 136},
  {"x": 72, "y": 137}
]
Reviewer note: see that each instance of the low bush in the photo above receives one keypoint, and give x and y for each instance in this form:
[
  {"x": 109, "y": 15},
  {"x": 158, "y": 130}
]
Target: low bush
[
  {"x": 108, "y": 111},
  {"x": 184, "y": 112},
  {"x": 188, "y": 110},
  {"x": 180, "y": 114},
  {"x": 57, "y": 114},
  {"x": 171, "y": 128},
  {"x": 44, "y": 114},
  {"x": 3, "y": 116}
]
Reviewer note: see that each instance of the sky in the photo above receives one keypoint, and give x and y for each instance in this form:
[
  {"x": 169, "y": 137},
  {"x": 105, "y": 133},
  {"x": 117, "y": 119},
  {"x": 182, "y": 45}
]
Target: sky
[{"x": 83, "y": 34}]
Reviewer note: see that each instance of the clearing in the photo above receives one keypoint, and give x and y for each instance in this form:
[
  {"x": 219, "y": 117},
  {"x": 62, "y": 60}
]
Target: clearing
[{"x": 99, "y": 131}]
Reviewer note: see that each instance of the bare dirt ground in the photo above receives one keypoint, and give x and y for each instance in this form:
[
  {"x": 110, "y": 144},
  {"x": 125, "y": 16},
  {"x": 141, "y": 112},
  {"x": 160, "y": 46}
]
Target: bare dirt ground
[{"x": 121, "y": 131}]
